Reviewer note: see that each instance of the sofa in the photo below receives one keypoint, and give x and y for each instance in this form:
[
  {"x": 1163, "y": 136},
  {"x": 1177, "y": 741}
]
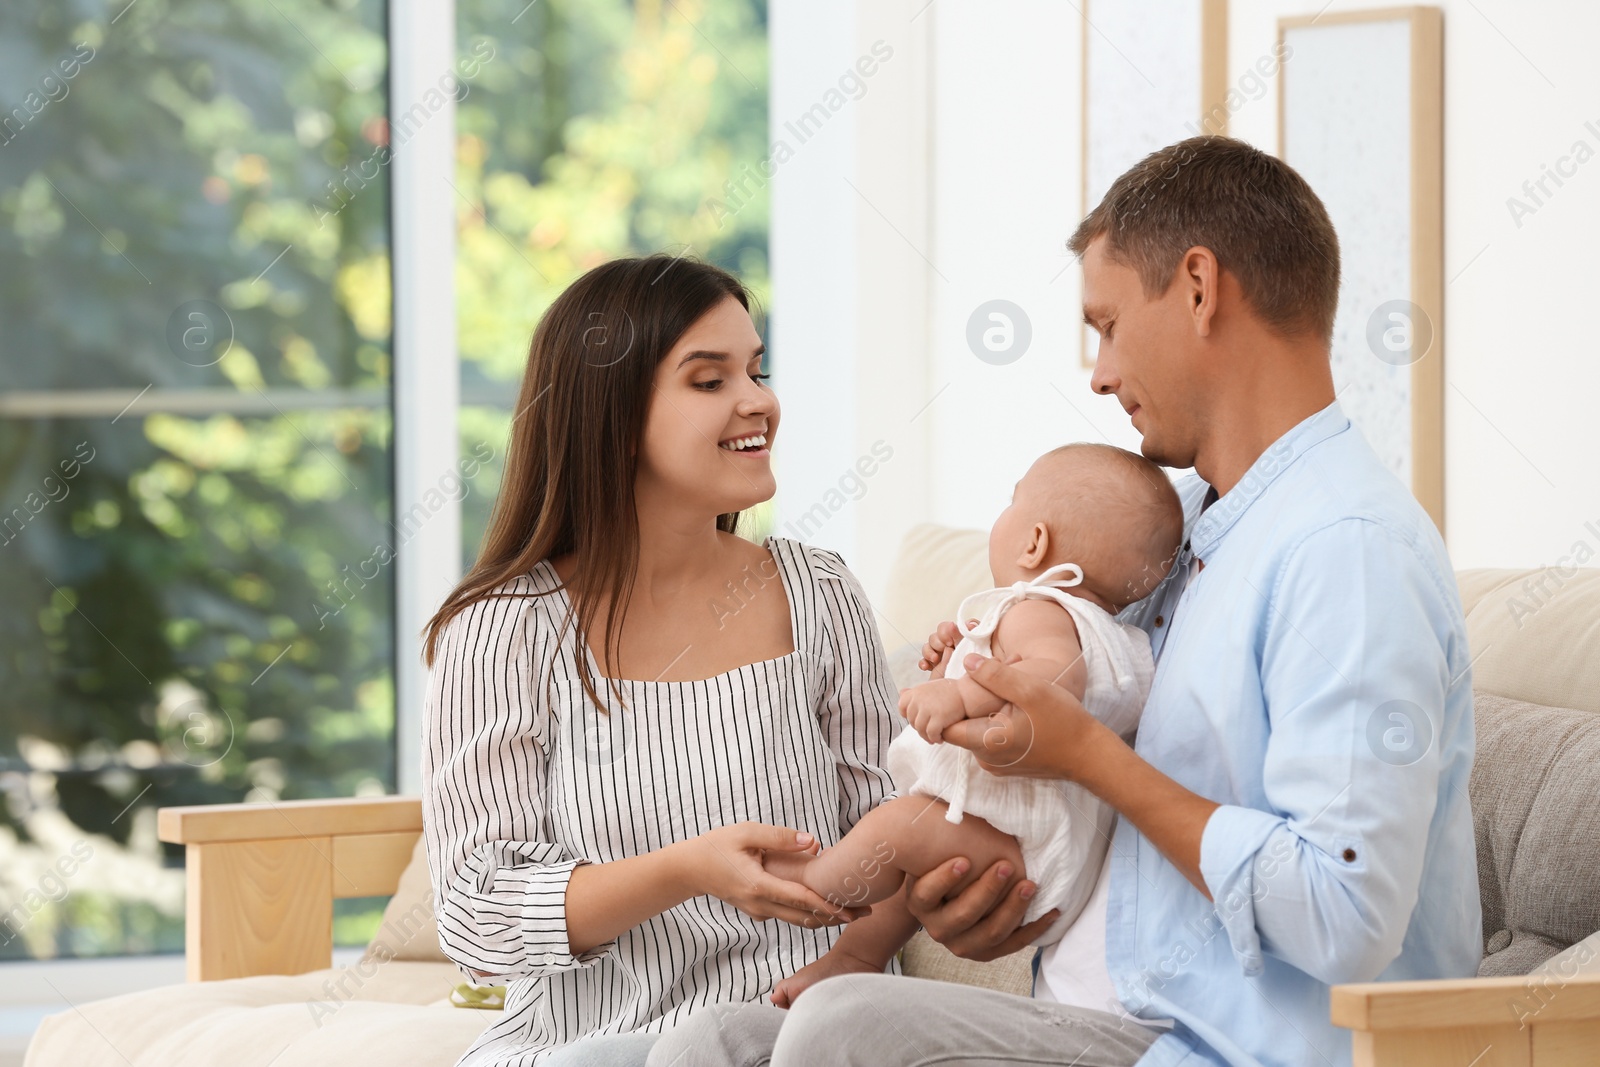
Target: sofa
[{"x": 261, "y": 881}]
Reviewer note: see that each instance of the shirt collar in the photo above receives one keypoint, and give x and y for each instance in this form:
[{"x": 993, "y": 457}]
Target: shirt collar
[{"x": 1216, "y": 520}]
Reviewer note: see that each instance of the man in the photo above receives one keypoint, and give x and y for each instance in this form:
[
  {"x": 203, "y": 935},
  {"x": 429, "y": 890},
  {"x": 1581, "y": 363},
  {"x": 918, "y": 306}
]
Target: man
[{"x": 1294, "y": 811}]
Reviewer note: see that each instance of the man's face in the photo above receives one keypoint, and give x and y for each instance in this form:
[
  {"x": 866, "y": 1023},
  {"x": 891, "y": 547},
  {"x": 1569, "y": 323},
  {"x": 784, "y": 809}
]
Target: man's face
[{"x": 1148, "y": 356}]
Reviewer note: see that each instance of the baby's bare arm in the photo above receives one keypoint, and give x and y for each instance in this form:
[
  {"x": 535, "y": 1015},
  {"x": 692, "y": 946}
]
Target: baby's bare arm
[{"x": 1046, "y": 638}]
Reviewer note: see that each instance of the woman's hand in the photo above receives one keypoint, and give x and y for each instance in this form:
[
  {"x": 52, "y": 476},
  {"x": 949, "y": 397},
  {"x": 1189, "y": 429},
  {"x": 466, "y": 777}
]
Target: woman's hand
[
  {"x": 981, "y": 922},
  {"x": 833, "y": 962},
  {"x": 726, "y": 863}
]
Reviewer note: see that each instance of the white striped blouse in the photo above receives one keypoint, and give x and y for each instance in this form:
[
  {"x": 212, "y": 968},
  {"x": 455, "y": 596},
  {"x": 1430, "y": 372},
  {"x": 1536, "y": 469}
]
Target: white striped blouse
[{"x": 523, "y": 779}]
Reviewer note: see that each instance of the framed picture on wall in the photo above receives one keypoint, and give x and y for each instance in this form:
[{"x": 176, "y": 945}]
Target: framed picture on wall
[
  {"x": 1154, "y": 72},
  {"x": 1361, "y": 101}
]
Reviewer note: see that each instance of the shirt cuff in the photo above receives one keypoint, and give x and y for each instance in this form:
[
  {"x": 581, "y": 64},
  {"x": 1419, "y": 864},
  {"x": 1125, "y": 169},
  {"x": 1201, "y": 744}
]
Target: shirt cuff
[
  {"x": 1229, "y": 845},
  {"x": 543, "y": 915}
]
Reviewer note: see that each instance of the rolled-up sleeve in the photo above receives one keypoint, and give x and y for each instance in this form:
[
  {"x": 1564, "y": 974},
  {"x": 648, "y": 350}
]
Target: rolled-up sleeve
[
  {"x": 1325, "y": 873},
  {"x": 499, "y": 881},
  {"x": 859, "y": 712}
]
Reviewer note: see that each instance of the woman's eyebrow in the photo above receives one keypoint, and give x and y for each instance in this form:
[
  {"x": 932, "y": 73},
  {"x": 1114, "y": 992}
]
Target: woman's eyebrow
[{"x": 717, "y": 357}]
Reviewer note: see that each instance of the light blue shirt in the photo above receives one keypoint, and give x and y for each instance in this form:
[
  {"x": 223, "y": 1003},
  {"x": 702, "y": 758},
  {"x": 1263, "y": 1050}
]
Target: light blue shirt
[{"x": 1314, "y": 679}]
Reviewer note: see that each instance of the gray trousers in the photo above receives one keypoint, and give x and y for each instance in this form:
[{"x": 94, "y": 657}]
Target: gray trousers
[
  {"x": 886, "y": 1020},
  {"x": 609, "y": 1050}
]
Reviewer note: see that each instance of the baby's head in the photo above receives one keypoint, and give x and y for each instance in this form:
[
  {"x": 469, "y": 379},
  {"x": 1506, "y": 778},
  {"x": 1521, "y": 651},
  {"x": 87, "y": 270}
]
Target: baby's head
[{"x": 1110, "y": 511}]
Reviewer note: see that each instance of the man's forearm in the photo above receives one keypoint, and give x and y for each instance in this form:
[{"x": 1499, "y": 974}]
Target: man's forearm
[{"x": 1172, "y": 817}]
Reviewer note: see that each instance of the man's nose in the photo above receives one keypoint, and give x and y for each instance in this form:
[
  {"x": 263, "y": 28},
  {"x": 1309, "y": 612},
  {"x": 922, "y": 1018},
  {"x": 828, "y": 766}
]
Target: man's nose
[{"x": 1102, "y": 380}]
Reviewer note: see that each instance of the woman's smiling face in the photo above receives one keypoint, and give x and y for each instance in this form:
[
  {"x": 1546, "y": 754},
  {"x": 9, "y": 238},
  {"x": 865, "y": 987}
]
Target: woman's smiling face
[{"x": 710, "y": 397}]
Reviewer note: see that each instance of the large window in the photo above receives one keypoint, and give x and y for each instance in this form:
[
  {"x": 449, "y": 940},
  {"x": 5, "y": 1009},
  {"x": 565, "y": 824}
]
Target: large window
[
  {"x": 197, "y": 494},
  {"x": 194, "y": 441},
  {"x": 594, "y": 129}
]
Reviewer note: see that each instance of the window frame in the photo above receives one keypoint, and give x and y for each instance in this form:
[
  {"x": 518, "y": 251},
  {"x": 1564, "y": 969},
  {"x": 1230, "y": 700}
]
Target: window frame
[{"x": 427, "y": 376}]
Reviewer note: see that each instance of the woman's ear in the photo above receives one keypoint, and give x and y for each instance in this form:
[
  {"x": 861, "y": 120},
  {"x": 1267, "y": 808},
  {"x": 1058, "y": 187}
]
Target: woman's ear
[{"x": 1038, "y": 549}]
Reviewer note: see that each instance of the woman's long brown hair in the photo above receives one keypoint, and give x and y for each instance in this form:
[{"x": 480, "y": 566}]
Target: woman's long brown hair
[{"x": 574, "y": 448}]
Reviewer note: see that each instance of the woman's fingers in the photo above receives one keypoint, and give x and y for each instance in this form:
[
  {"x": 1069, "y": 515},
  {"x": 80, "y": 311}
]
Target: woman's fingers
[
  {"x": 800, "y": 901},
  {"x": 777, "y": 838},
  {"x": 813, "y": 918},
  {"x": 774, "y": 897}
]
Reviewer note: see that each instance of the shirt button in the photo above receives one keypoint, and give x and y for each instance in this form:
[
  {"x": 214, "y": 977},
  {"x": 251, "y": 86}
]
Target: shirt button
[
  {"x": 1349, "y": 855},
  {"x": 549, "y": 958},
  {"x": 1160, "y": 619}
]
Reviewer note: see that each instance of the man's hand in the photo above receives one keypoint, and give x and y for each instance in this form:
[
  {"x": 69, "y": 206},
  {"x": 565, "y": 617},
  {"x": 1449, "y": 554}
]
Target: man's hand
[
  {"x": 981, "y": 922},
  {"x": 1042, "y": 732}
]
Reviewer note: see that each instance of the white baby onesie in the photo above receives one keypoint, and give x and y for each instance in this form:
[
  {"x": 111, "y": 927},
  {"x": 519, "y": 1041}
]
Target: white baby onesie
[{"x": 1062, "y": 828}]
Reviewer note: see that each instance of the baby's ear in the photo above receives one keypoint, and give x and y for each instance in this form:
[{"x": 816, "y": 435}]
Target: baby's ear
[{"x": 1038, "y": 549}]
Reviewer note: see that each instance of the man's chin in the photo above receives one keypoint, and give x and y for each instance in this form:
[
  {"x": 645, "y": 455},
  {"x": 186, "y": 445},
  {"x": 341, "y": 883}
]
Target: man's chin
[{"x": 1164, "y": 455}]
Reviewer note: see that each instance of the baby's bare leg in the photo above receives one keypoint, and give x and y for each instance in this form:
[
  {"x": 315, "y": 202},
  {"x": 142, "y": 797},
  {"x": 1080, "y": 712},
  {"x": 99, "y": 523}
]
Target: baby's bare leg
[{"x": 908, "y": 835}]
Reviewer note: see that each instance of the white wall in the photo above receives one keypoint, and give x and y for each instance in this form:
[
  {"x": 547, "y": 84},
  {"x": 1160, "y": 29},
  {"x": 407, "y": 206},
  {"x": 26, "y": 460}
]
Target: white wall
[
  {"x": 850, "y": 211},
  {"x": 967, "y": 173},
  {"x": 814, "y": 270},
  {"x": 1006, "y": 174},
  {"x": 1522, "y": 377}
]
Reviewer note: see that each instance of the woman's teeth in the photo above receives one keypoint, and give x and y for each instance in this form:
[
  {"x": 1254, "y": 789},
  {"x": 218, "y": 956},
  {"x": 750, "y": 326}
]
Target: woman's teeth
[{"x": 739, "y": 444}]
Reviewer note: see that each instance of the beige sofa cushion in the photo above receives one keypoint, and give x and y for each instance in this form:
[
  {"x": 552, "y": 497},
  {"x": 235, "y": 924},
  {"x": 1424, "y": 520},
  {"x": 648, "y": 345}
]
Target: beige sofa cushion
[
  {"x": 1535, "y": 634},
  {"x": 392, "y": 1013},
  {"x": 410, "y": 930},
  {"x": 935, "y": 569}
]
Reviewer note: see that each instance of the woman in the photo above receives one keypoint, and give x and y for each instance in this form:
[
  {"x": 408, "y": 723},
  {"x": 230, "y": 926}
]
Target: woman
[{"x": 628, "y": 704}]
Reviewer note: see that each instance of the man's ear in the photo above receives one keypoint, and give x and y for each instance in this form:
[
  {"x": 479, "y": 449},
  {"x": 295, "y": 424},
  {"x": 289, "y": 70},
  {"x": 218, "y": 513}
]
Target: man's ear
[
  {"x": 1200, "y": 274},
  {"x": 1038, "y": 549}
]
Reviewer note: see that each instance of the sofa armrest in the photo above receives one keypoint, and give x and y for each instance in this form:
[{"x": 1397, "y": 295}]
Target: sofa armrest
[
  {"x": 1519, "y": 1021},
  {"x": 262, "y": 878}
]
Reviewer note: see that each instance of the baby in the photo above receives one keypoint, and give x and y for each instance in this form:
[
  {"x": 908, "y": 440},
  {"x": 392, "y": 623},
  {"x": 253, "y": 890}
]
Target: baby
[{"x": 1090, "y": 530}]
